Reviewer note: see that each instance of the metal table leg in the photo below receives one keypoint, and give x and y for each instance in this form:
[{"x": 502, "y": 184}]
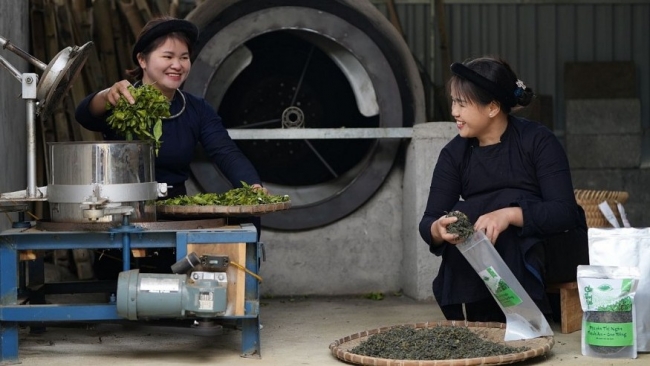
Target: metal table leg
[
  {"x": 8, "y": 296},
  {"x": 251, "y": 346}
]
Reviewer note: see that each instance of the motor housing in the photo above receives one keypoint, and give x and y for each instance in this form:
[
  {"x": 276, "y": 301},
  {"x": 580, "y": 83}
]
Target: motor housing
[{"x": 155, "y": 295}]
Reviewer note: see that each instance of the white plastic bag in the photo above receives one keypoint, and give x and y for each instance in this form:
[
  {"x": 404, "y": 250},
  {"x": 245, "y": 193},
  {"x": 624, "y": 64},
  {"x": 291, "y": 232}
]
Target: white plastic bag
[
  {"x": 524, "y": 320},
  {"x": 627, "y": 247}
]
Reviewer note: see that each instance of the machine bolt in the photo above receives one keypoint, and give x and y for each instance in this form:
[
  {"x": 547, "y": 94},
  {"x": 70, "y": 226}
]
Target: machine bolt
[
  {"x": 221, "y": 277},
  {"x": 29, "y": 80}
]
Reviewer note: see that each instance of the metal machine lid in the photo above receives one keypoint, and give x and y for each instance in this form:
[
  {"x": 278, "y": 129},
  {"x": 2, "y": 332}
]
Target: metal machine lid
[{"x": 58, "y": 77}]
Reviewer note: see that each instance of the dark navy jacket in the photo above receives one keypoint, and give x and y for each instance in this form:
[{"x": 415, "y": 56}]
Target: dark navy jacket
[{"x": 528, "y": 169}]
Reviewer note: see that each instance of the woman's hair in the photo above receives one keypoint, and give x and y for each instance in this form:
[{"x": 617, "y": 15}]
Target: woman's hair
[
  {"x": 137, "y": 73},
  {"x": 487, "y": 79}
]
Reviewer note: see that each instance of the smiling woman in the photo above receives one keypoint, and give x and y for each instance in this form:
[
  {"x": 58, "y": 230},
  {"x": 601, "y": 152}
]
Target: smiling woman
[
  {"x": 512, "y": 176},
  {"x": 162, "y": 56}
]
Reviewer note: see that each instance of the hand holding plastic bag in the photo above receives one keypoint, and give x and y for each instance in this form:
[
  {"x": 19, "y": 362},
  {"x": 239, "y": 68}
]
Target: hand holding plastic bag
[{"x": 524, "y": 320}]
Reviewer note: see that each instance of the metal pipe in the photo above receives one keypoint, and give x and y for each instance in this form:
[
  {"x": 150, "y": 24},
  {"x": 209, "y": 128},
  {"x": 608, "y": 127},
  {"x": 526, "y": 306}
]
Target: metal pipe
[
  {"x": 320, "y": 133},
  {"x": 11, "y": 69},
  {"x": 31, "y": 148},
  {"x": 126, "y": 245},
  {"x": 126, "y": 251},
  {"x": 24, "y": 55}
]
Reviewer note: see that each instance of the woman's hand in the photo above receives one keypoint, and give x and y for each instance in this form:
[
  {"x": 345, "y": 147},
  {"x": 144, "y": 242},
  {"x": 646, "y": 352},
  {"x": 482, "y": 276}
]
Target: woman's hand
[
  {"x": 257, "y": 186},
  {"x": 115, "y": 92},
  {"x": 495, "y": 222},
  {"x": 111, "y": 95},
  {"x": 439, "y": 232}
]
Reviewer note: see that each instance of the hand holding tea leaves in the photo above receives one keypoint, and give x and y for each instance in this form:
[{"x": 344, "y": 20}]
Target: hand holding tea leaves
[
  {"x": 454, "y": 228},
  {"x": 143, "y": 119},
  {"x": 462, "y": 227}
]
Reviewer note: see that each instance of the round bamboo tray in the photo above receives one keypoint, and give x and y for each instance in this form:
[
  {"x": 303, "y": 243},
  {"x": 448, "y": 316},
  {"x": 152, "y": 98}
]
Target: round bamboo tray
[
  {"x": 213, "y": 211},
  {"x": 590, "y": 199},
  {"x": 494, "y": 332}
]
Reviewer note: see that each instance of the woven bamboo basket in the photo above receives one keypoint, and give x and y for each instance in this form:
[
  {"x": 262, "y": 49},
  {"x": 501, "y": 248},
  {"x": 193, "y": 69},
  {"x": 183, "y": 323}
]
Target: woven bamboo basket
[
  {"x": 493, "y": 332},
  {"x": 590, "y": 199}
]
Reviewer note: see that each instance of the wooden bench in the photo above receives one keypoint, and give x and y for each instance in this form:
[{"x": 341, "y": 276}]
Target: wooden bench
[{"x": 570, "y": 309}]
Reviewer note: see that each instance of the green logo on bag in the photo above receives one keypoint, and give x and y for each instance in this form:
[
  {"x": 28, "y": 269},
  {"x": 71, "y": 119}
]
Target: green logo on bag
[{"x": 505, "y": 295}]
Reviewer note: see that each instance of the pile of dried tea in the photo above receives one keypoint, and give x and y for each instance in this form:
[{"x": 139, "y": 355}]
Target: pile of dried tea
[
  {"x": 611, "y": 318},
  {"x": 437, "y": 343},
  {"x": 463, "y": 227}
]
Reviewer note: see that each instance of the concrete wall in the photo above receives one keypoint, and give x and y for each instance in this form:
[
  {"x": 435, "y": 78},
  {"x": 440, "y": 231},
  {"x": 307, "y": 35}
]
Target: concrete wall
[
  {"x": 359, "y": 254},
  {"x": 604, "y": 133},
  {"x": 419, "y": 266},
  {"x": 14, "y": 27},
  {"x": 375, "y": 249}
]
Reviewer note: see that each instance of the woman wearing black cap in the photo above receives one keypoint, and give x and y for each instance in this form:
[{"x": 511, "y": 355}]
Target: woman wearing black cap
[
  {"x": 162, "y": 55},
  {"x": 511, "y": 177}
]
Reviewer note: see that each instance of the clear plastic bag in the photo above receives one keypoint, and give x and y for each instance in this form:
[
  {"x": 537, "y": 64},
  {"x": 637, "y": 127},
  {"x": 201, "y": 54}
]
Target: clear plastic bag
[
  {"x": 607, "y": 299},
  {"x": 524, "y": 320}
]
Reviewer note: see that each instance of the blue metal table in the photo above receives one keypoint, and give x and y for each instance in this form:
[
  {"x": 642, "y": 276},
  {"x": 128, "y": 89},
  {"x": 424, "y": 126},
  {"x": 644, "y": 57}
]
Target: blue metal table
[{"x": 124, "y": 238}]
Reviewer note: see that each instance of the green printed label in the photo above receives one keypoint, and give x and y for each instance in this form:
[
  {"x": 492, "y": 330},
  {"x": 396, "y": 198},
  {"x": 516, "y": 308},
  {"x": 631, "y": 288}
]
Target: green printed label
[
  {"x": 503, "y": 293},
  {"x": 609, "y": 334},
  {"x": 604, "y": 294}
]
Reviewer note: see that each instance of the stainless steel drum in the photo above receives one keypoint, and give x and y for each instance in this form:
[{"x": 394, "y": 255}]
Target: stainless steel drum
[{"x": 98, "y": 181}]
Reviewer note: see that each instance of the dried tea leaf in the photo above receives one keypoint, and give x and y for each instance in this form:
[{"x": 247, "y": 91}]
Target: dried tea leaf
[
  {"x": 437, "y": 343},
  {"x": 463, "y": 227}
]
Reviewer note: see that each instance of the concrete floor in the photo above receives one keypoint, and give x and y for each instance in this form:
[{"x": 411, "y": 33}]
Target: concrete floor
[{"x": 296, "y": 331}]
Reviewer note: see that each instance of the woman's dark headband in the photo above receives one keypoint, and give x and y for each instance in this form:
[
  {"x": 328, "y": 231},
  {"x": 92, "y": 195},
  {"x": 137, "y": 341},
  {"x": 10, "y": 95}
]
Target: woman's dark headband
[
  {"x": 164, "y": 28},
  {"x": 506, "y": 97}
]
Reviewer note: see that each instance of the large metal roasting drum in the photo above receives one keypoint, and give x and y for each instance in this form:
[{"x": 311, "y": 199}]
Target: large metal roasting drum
[
  {"x": 91, "y": 181},
  {"x": 300, "y": 64}
]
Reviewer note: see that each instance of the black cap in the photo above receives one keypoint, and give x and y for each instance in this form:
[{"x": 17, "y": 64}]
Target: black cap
[{"x": 164, "y": 28}]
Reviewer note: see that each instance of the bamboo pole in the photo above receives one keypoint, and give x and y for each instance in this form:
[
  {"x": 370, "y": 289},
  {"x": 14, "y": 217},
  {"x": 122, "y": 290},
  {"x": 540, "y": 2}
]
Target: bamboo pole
[
  {"x": 92, "y": 72},
  {"x": 173, "y": 8},
  {"x": 123, "y": 42},
  {"x": 163, "y": 7},
  {"x": 77, "y": 91},
  {"x": 58, "y": 117},
  {"x": 106, "y": 41},
  {"x": 143, "y": 8},
  {"x": 132, "y": 14}
]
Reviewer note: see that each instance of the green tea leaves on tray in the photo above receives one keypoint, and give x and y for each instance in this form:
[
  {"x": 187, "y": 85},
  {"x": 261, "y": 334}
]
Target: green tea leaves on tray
[{"x": 243, "y": 196}]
